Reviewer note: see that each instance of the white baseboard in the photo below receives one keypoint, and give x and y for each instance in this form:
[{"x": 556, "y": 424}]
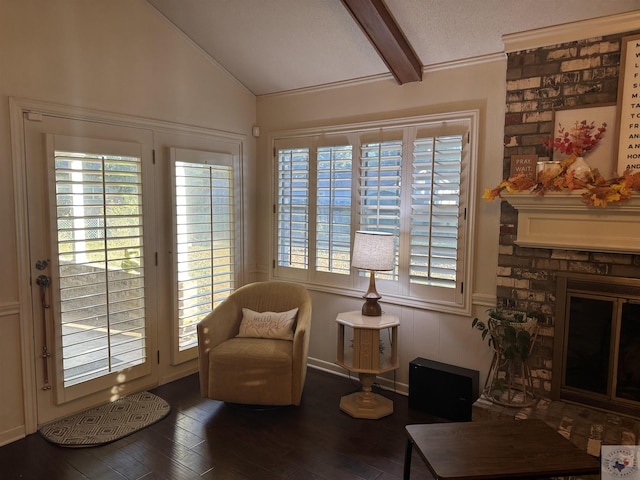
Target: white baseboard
[{"x": 12, "y": 435}]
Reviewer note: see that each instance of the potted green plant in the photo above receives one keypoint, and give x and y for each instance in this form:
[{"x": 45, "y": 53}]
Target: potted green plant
[{"x": 511, "y": 336}]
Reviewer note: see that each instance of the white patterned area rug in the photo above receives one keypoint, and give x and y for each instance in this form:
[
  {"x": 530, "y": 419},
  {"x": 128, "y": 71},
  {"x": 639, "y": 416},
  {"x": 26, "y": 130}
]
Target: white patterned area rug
[{"x": 107, "y": 423}]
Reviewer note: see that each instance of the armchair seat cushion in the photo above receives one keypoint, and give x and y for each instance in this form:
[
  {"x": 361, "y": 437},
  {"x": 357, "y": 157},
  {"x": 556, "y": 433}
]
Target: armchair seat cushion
[{"x": 256, "y": 368}]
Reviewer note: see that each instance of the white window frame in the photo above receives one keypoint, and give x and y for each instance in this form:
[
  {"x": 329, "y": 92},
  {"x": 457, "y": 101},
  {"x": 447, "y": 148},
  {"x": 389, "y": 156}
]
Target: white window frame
[{"x": 401, "y": 292}]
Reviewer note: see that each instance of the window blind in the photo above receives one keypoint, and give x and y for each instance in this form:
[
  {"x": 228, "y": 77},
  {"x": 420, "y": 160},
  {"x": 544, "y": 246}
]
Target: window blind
[
  {"x": 435, "y": 194},
  {"x": 333, "y": 209},
  {"x": 101, "y": 263},
  {"x": 204, "y": 242},
  {"x": 380, "y": 191},
  {"x": 293, "y": 208}
]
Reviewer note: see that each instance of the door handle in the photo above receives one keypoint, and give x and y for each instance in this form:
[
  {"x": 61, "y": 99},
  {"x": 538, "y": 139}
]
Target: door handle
[{"x": 44, "y": 282}]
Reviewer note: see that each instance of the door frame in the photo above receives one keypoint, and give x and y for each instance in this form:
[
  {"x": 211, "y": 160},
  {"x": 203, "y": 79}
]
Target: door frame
[{"x": 18, "y": 108}]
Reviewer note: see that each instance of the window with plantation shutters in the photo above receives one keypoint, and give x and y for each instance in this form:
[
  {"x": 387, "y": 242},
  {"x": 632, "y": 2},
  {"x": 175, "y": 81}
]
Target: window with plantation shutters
[
  {"x": 101, "y": 263},
  {"x": 435, "y": 204},
  {"x": 380, "y": 182},
  {"x": 333, "y": 209},
  {"x": 413, "y": 179},
  {"x": 293, "y": 208},
  {"x": 314, "y": 207},
  {"x": 204, "y": 243}
]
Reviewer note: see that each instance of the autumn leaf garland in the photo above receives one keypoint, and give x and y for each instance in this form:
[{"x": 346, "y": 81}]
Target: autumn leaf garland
[
  {"x": 599, "y": 192},
  {"x": 575, "y": 142}
]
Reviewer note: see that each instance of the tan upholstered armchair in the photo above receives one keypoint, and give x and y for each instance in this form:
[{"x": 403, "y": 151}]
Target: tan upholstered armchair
[{"x": 255, "y": 371}]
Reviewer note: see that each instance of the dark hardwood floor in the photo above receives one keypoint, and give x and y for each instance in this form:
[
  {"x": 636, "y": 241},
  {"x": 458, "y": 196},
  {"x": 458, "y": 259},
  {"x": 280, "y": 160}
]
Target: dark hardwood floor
[{"x": 206, "y": 439}]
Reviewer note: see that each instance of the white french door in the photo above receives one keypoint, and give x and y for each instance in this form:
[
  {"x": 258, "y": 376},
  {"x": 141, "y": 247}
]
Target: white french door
[{"x": 90, "y": 194}]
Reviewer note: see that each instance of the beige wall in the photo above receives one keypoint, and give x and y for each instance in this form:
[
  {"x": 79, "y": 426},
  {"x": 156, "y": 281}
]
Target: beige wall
[
  {"x": 442, "y": 337},
  {"x": 118, "y": 56}
]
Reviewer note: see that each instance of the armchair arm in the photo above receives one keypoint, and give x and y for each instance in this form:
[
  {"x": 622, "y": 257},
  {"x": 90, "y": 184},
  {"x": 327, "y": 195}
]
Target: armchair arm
[
  {"x": 301, "y": 351},
  {"x": 220, "y": 325}
]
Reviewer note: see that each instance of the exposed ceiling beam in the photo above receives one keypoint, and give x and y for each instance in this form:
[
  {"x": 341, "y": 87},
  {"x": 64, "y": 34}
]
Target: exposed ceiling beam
[{"x": 385, "y": 35}]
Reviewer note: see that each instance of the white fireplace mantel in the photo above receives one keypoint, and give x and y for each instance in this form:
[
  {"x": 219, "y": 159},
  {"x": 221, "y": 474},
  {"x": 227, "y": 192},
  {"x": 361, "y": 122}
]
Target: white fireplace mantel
[{"x": 562, "y": 220}]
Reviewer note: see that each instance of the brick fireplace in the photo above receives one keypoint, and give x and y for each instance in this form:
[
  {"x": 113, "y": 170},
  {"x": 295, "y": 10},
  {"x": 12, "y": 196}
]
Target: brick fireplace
[
  {"x": 576, "y": 74},
  {"x": 596, "y": 355}
]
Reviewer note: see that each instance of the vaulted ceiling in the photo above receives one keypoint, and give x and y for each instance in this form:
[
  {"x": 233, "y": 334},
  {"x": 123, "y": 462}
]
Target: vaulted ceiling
[{"x": 280, "y": 45}]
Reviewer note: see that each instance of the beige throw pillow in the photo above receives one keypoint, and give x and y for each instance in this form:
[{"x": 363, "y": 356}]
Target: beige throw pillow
[{"x": 277, "y": 325}]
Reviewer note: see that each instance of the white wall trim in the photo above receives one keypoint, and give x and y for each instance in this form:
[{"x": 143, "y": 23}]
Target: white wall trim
[
  {"x": 9, "y": 436},
  {"x": 499, "y": 56},
  {"x": 466, "y": 62},
  {"x": 334, "y": 369},
  {"x": 16, "y": 112},
  {"x": 80, "y": 113},
  {"x": 569, "y": 32},
  {"x": 483, "y": 300},
  {"x": 10, "y": 308}
]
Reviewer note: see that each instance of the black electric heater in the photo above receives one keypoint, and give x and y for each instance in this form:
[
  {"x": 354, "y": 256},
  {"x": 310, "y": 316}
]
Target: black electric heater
[{"x": 445, "y": 391}]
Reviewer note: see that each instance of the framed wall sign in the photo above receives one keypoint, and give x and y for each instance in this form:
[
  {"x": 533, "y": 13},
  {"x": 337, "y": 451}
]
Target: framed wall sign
[
  {"x": 603, "y": 155},
  {"x": 629, "y": 105},
  {"x": 525, "y": 164}
]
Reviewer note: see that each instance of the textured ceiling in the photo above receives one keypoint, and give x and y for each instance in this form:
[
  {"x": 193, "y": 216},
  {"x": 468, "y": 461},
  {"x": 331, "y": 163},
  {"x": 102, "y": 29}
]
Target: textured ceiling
[{"x": 279, "y": 45}]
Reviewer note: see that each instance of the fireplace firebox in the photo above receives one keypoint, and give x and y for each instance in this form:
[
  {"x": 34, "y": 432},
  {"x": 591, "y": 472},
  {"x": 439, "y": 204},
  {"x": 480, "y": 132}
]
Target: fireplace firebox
[{"x": 596, "y": 358}]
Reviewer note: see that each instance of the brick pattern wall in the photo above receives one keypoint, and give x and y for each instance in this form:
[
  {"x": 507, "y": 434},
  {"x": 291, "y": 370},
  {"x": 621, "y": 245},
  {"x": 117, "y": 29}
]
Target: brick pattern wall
[{"x": 577, "y": 74}]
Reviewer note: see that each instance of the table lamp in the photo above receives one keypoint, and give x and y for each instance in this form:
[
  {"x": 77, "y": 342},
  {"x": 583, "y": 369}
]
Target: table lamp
[{"x": 373, "y": 251}]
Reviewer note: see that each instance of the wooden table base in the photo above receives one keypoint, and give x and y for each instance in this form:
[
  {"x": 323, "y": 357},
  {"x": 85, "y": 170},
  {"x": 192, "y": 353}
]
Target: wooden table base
[{"x": 366, "y": 404}]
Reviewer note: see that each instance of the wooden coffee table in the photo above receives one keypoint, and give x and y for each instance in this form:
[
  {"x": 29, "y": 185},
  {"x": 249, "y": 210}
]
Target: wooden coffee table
[{"x": 505, "y": 448}]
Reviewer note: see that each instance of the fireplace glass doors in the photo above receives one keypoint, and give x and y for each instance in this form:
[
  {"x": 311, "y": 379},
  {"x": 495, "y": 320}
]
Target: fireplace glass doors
[{"x": 597, "y": 343}]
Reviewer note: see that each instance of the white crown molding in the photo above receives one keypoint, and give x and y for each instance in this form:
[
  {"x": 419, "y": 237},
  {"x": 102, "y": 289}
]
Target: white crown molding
[
  {"x": 492, "y": 57},
  {"x": 465, "y": 62},
  {"x": 329, "y": 86},
  {"x": 569, "y": 32}
]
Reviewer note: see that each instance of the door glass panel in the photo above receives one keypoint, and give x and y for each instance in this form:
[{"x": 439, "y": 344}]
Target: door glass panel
[
  {"x": 98, "y": 204},
  {"x": 628, "y": 378},
  {"x": 588, "y": 344}
]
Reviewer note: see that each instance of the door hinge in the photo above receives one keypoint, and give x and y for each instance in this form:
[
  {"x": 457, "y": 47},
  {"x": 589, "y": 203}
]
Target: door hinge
[
  {"x": 468, "y": 137},
  {"x": 158, "y": 355},
  {"x": 153, "y": 156},
  {"x": 274, "y": 208},
  {"x": 461, "y": 288},
  {"x": 156, "y": 259},
  {"x": 465, "y": 213},
  {"x": 273, "y": 263}
]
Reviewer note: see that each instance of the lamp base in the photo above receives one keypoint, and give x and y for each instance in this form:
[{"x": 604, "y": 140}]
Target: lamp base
[
  {"x": 371, "y": 308},
  {"x": 366, "y": 404}
]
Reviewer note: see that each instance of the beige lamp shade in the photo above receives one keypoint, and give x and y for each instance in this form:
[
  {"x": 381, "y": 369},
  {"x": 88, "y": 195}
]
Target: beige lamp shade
[{"x": 373, "y": 251}]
